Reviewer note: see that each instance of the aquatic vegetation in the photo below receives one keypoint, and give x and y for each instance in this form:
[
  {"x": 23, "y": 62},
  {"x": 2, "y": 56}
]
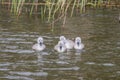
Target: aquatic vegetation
[{"x": 53, "y": 10}]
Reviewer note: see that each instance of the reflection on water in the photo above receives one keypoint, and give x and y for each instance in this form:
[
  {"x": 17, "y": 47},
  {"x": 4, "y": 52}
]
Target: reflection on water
[{"x": 99, "y": 60}]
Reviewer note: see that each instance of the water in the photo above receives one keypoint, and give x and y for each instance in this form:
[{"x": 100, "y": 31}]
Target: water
[{"x": 99, "y": 30}]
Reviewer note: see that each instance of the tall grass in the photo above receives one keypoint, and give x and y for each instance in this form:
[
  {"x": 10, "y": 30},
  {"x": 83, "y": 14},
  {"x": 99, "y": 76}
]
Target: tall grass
[
  {"x": 51, "y": 9},
  {"x": 16, "y": 6}
]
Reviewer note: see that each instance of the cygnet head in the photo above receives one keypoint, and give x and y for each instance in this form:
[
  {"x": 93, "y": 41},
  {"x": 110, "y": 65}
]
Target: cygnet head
[
  {"x": 40, "y": 40},
  {"x": 78, "y": 40},
  {"x": 61, "y": 43},
  {"x": 62, "y": 38}
]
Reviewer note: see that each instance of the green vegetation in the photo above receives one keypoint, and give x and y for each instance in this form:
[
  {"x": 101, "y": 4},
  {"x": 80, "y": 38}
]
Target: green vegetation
[{"x": 51, "y": 9}]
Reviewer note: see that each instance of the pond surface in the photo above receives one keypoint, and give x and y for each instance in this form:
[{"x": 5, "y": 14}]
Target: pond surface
[{"x": 99, "y": 60}]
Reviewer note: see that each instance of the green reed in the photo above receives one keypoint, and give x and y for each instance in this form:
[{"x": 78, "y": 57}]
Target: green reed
[
  {"x": 17, "y": 6},
  {"x": 52, "y": 9}
]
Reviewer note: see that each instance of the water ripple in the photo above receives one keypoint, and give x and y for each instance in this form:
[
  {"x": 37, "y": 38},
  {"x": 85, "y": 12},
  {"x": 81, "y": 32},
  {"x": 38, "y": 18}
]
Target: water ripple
[
  {"x": 21, "y": 42},
  {"x": 29, "y": 73},
  {"x": 108, "y": 64},
  {"x": 17, "y": 77},
  {"x": 62, "y": 62},
  {"x": 17, "y": 51},
  {"x": 90, "y": 63},
  {"x": 11, "y": 47},
  {"x": 104, "y": 64},
  {"x": 5, "y": 64},
  {"x": 12, "y": 39},
  {"x": 4, "y": 69},
  {"x": 69, "y": 68}
]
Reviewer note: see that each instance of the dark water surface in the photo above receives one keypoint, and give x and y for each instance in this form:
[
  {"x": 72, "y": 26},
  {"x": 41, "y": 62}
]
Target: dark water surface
[{"x": 100, "y": 59}]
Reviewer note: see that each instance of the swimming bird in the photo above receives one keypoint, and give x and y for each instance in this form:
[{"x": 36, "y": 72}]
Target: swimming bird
[
  {"x": 60, "y": 47},
  {"x": 68, "y": 43},
  {"x": 39, "y": 46},
  {"x": 78, "y": 45}
]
